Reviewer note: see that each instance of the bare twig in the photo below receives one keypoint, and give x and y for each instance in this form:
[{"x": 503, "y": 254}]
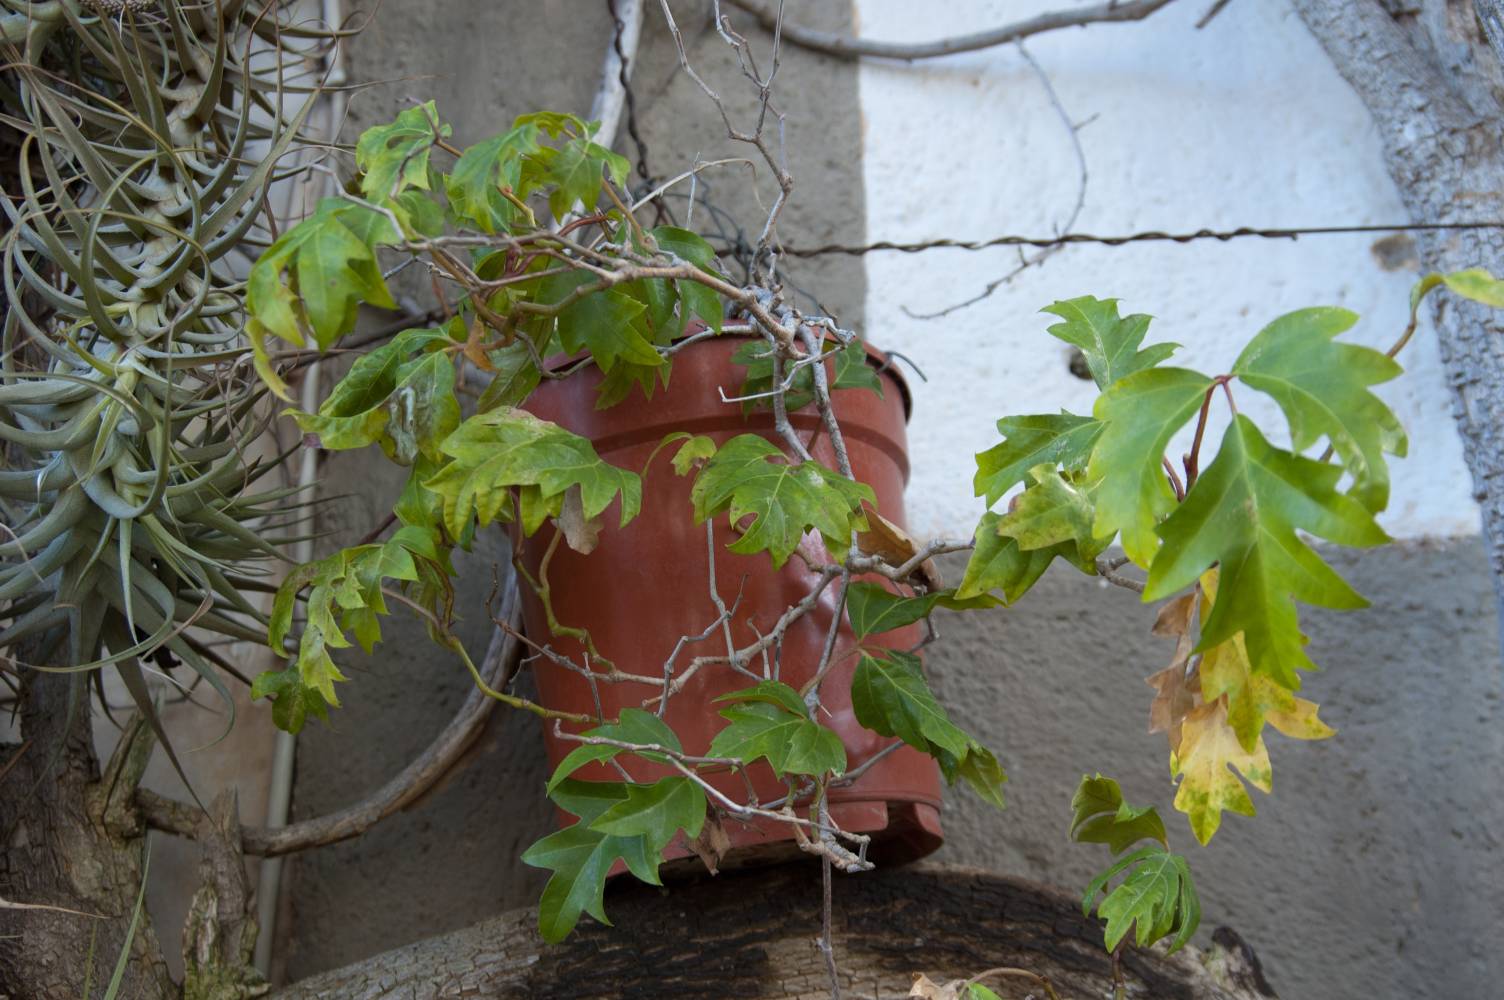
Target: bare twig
[
  {"x": 846, "y": 47},
  {"x": 1107, "y": 569},
  {"x": 1072, "y": 129},
  {"x": 6, "y": 904},
  {"x": 825, "y": 946},
  {"x": 1211, "y": 12}
]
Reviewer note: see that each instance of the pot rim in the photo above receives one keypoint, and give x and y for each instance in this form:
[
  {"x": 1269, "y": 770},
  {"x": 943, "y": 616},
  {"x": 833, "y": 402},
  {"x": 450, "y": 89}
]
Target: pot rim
[{"x": 879, "y": 360}]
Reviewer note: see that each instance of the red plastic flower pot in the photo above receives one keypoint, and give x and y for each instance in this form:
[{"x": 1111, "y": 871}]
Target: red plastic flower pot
[{"x": 646, "y": 585}]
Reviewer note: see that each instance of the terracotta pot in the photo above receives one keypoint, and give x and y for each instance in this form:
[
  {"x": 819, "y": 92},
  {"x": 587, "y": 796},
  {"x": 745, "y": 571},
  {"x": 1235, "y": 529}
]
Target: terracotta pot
[{"x": 646, "y": 585}]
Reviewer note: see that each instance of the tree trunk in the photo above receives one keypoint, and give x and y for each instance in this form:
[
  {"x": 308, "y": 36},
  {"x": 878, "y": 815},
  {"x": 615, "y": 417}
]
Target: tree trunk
[
  {"x": 71, "y": 843},
  {"x": 1433, "y": 86},
  {"x": 752, "y": 934}
]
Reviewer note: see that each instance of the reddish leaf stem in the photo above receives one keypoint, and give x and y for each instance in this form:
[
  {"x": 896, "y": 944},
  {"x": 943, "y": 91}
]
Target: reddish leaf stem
[{"x": 1193, "y": 460}]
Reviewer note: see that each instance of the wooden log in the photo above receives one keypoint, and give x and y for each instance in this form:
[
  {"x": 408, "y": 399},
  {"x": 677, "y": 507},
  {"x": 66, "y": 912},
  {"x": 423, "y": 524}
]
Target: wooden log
[{"x": 752, "y": 934}]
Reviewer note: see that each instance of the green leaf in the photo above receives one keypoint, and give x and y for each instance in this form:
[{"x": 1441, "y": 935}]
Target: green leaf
[
  {"x": 307, "y": 284},
  {"x": 695, "y": 299},
  {"x": 656, "y": 812},
  {"x": 389, "y": 396},
  {"x": 1053, "y": 514},
  {"x": 493, "y": 452},
  {"x": 474, "y": 185},
  {"x": 514, "y": 379},
  {"x": 872, "y": 608},
  {"x": 1243, "y": 513},
  {"x": 770, "y": 723},
  {"x": 1322, "y": 387},
  {"x": 979, "y": 769},
  {"x": 1109, "y": 343},
  {"x": 1100, "y": 816},
  {"x": 771, "y": 692},
  {"x": 1062, "y": 439},
  {"x": 1140, "y": 414},
  {"x": 1474, "y": 283},
  {"x": 634, "y": 726},
  {"x": 693, "y": 454},
  {"x": 853, "y": 371},
  {"x": 555, "y": 123},
  {"x": 394, "y": 157},
  {"x": 609, "y": 323},
  {"x": 292, "y": 703},
  {"x": 344, "y": 595},
  {"x": 618, "y": 383},
  {"x": 576, "y": 169},
  {"x": 1157, "y": 899},
  {"x": 976, "y": 991},
  {"x": 997, "y": 563},
  {"x": 581, "y": 858},
  {"x": 749, "y": 475},
  {"x": 418, "y": 213},
  {"x": 890, "y": 697}
]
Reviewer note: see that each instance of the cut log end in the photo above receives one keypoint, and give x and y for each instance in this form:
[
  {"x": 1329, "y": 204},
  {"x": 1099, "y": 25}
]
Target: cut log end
[{"x": 752, "y": 934}]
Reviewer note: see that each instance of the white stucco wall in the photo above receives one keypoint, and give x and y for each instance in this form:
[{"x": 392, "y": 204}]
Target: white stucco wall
[{"x": 1244, "y": 123}]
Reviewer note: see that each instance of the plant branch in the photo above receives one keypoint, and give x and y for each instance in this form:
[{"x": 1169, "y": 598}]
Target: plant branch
[
  {"x": 402, "y": 791},
  {"x": 846, "y": 47}
]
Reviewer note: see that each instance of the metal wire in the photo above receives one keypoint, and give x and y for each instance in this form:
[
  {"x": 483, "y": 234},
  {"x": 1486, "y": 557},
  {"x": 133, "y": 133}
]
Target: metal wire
[{"x": 1154, "y": 236}]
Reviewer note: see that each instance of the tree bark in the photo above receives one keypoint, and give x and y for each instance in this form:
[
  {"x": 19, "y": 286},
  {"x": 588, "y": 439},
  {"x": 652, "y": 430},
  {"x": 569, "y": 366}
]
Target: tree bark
[
  {"x": 752, "y": 934},
  {"x": 71, "y": 842},
  {"x": 1433, "y": 86}
]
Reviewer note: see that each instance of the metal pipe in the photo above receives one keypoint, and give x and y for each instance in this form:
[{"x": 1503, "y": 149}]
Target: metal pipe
[{"x": 284, "y": 753}]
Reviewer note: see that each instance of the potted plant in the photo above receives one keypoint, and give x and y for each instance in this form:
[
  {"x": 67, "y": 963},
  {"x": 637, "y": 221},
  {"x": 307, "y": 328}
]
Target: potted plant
[
  {"x": 639, "y": 503},
  {"x": 774, "y": 542}
]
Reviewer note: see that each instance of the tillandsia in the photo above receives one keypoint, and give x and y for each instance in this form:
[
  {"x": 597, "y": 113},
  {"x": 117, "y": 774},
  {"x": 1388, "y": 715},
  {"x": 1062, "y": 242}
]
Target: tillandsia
[
  {"x": 141, "y": 146},
  {"x": 537, "y": 247}
]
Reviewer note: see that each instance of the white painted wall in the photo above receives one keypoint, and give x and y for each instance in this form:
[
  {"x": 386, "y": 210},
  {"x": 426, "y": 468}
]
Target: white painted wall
[{"x": 1242, "y": 123}]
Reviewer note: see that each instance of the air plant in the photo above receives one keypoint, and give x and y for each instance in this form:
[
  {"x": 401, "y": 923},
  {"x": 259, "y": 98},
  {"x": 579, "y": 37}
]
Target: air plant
[{"x": 146, "y": 139}]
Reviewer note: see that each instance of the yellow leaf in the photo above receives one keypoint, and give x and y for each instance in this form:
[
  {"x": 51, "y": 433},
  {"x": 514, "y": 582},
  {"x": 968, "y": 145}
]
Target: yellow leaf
[
  {"x": 1209, "y": 753},
  {"x": 1252, "y": 699}
]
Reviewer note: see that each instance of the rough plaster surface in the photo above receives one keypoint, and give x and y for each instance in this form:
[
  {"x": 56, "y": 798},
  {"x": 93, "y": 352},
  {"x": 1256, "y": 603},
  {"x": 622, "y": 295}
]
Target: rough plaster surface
[
  {"x": 1244, "y": 123},
  {"x": 1373, "y": 869}
]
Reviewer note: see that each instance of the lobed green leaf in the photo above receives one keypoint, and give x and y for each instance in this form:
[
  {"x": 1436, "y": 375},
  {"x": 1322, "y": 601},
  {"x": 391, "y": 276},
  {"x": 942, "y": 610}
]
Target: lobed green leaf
[
  {"x": 1243, "y": 514},
  {"x": 770, "y": 722},
  {"x": 1108, "y": 342},
  {"x": 890, "y": 697},
  {"x": 750, "y": 476},
  {"x": 1100, "y": 816},
  {"x": 1322, "y": 387}
]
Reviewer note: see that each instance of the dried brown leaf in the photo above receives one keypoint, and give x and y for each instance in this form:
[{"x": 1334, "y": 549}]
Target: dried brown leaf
[
  {"x": 890, "y": 543},
  {"x": 1175, "y": 697},
  {"x": 927, "y": 989},
  {"x": 712, "y": 843},
  {"x": 1175, "y": 616},
  {"x": 1176, "y": 688},
  {"x": 580, "y": 532},
  {"x": 474, "y": 350}
]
